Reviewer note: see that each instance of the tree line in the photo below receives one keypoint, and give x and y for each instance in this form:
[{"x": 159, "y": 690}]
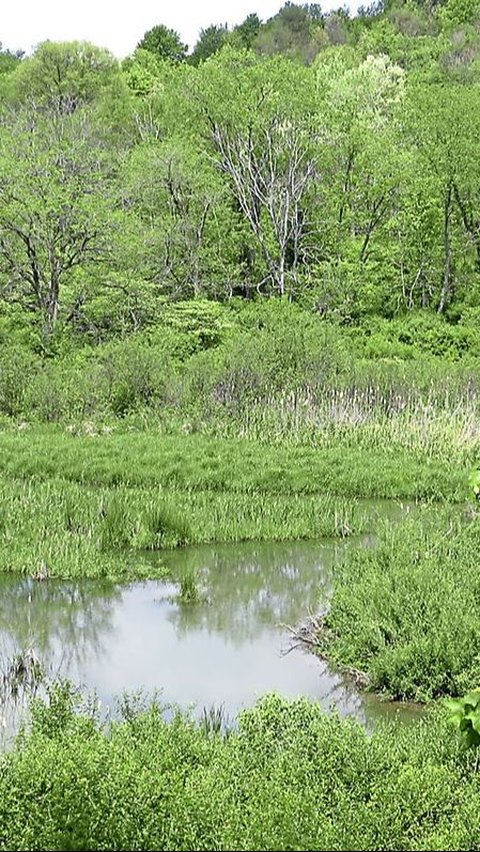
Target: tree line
[{"x": 322, "y": 158}]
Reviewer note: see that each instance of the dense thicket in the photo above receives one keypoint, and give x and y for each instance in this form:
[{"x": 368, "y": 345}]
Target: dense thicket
[
  {"x": 328, "y": 159},
  {"x": 289, "y": 777}
]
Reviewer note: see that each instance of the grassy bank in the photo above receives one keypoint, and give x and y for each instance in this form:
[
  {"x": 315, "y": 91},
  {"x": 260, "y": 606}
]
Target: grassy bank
[
  {"x": 60, "y": 528},
  {"x": 76, "y": 505},
  {"x": 406, "y": 612},
  {"x": 288, "y": 777},
  {"x": 236, "y": 465}
]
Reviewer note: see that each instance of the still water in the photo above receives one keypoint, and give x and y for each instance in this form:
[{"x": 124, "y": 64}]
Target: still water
[{"x": 227, "y": 649}]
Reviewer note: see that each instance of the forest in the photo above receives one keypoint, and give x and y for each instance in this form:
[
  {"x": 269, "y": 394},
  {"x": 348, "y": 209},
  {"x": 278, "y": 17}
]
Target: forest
[{"x": 329, "y": 160}]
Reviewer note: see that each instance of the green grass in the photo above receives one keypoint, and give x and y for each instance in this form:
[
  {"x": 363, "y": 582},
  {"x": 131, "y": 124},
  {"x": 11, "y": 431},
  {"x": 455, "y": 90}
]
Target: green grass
[
  {"x": 407, "y": 612},
  {"x": 88, "y": 505},
  {"x": 70, "y": 529},
  {"x": 203, "y": 463},
  {"x": 287, "y": 777}
]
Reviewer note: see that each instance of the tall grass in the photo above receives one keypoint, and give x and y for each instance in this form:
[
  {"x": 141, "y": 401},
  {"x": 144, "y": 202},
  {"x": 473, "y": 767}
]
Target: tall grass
[
  {"x": 232, "y": 464},
  {"x": 353, "y": 418},
  {"x": 407, "y": 611},
  {"x": 57, "y": 528}
]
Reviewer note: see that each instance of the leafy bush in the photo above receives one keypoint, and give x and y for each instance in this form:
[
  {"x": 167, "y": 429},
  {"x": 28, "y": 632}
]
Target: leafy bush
[
  {"x": 287, "y": 777},
  {"x": 465, "y": 715},
  {"x": 406, "y": 612},
  {"x": 415, "y": 335},
  {"x": 19, "y": 368}
]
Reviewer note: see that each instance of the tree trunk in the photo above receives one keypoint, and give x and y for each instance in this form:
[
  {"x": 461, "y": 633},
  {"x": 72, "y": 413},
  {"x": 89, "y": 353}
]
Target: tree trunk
[
  {"x": 52, "y": 303},
  {"x": 447, "y": 281}
]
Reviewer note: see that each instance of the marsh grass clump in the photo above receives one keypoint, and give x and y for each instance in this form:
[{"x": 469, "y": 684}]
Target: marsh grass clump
[
  {"x": 23, "y": 672},
  {"x": 406, "y": 611},
  {"x": 164, "y": 526},
  {"x": 228, "y": 464},
  {"x": 214, "y": 720},
  {"x": 115, "y": 526},
  {"x": 189, "y": 592},
  {"x": 83, "y": 529}
]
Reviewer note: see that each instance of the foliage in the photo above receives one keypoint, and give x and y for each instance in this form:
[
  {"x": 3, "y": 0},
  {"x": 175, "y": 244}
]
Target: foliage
[
  {"x": 414, "y": 622},
  {"x": 164, "y": 43},
  {"x": 286, "y": 775},
  {"x": 474, "y": 482},
  {"x": 237, "y": 294},
  {"x": 210, "y": 41},
  {"x": 331, "y": 159},
  {"x": 465, "y": 715},
  {"x": 55, "y": 191}
]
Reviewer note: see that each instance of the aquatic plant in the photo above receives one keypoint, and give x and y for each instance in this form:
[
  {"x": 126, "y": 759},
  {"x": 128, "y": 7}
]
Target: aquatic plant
[
  {"x": 58, "y": 528},
  {"x": 214, "y": 720},
  {"x": 22, "y": 673},
  {"x": 188, "y": 588}
]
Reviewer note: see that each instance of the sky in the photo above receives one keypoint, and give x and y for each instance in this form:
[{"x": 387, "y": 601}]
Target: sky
[{"x": 119, "y": 25}]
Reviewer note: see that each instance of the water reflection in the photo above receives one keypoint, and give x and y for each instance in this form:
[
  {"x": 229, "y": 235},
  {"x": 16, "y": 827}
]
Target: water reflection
[
  {"x": 48, "y": 630},
  {"x": 250, "y": 589},
  {"x": 64, "y": 622},
  {"x": 225, "y": 649}
]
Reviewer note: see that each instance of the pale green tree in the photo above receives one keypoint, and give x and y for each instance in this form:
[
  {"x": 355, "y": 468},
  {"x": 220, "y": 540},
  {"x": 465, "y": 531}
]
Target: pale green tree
[{"x": 58, "y": 208}]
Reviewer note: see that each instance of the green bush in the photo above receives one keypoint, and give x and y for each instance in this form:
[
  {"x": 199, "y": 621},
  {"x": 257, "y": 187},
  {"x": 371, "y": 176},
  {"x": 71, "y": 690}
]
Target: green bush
[
  {"x": 417, "y": 334},
  {"x": 288, "y": 776},
  {"x": 406, "y": 612},
  {"x": 19, "y": 368}
]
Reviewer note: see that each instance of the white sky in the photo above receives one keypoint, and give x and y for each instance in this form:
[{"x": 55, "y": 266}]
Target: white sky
[{"x": 120, "y": 24}]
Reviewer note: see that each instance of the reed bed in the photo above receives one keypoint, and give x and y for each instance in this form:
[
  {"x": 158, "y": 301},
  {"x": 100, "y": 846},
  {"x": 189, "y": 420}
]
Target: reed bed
[
  {"x": 58, "y": 528},
  {"x": 356, "y": 417}
]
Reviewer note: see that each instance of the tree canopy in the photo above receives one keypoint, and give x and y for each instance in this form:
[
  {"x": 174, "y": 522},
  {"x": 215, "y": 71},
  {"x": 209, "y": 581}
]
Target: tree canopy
[{"x": 323, "y": 157}]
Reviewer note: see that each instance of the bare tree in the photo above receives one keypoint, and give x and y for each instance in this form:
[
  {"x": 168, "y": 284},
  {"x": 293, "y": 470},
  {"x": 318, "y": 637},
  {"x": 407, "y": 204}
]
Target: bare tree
[{"x": 271, "y": 171}]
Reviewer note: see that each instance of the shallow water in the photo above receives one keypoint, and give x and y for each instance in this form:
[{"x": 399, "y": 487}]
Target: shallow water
[{"x": 227, "y": 649}]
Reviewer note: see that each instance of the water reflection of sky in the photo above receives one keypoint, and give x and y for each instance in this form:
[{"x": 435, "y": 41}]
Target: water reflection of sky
[{"x": 227, "y": 649}]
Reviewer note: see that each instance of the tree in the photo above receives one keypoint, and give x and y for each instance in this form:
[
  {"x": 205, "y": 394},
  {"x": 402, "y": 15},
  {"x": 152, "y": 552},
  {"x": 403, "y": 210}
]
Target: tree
[
  {"x": 292, "y": 32},
  {"x": 57, "y": 207},
  {"x": 64, "y": 76},
  {"x": 444, "y": 126},
  {"x": 164, "y": 43},
  {"x": 244, "y": 34},
  {"x": 182, "y": 208},
  {"x": 210, "y": 41},
  {"x": 257, "y": 121},
  {"x": 9, "y": 59},
  {"x": 361, "y": 160}
]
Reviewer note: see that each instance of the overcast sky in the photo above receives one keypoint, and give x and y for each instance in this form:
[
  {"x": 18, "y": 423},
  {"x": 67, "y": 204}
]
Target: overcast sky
[{"x": 120, "y": 24}]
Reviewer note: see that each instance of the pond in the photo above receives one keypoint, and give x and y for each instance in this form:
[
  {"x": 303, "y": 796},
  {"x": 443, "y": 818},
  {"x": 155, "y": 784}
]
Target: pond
[{"x": 226, "y": 649}]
